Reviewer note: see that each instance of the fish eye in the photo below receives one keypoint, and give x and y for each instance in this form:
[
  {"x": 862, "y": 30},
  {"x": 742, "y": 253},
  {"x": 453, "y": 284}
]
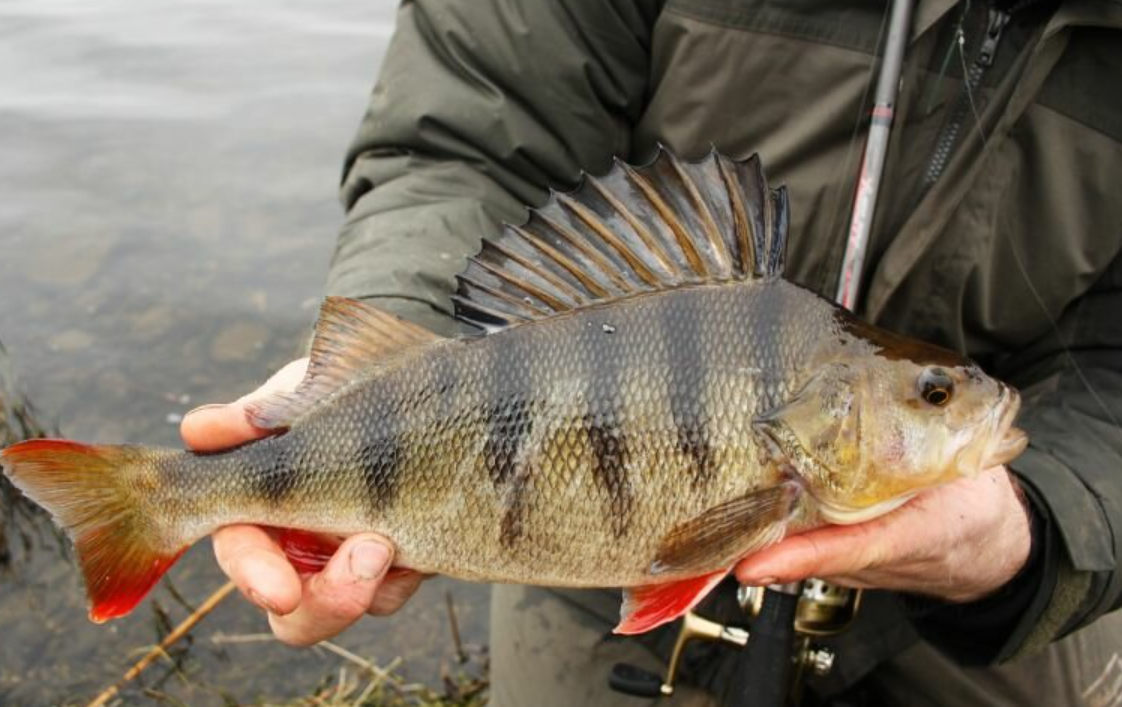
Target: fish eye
[{"x": 935, "y": 387}]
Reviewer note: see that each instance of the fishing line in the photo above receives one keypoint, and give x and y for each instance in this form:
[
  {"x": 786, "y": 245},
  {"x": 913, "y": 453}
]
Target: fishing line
[
  {"x": 961, "y": 41},
  {"x": 1059, "y": 334},
  {"x": 958, "y": 38}
]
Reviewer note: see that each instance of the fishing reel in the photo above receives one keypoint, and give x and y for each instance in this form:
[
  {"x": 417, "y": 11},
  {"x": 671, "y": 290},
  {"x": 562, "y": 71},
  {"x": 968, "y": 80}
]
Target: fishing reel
[{"x": 783, "y": 622}]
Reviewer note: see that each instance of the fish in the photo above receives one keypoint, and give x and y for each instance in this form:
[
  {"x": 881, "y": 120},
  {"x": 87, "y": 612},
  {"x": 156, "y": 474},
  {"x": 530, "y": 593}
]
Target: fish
[{"x": 641, "y": 401}]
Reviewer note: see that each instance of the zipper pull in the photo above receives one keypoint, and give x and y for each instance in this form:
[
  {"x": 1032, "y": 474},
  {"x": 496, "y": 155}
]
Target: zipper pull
[{"x": 995, "y": 25}]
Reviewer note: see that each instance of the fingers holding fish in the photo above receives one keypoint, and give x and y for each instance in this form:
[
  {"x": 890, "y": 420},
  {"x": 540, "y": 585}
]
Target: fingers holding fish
[
  {"x": 215, "y": 427},
  {"x": 333, "y": 599},
  {"x": 397, "y": 588},
  {"x": 253, "y": 559},
  {"x": 958, "y": 542},
  {"x": 302, "y": 609}
]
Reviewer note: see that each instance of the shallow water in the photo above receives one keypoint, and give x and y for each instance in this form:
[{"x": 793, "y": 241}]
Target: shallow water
[{"x": 168, "y": 174}]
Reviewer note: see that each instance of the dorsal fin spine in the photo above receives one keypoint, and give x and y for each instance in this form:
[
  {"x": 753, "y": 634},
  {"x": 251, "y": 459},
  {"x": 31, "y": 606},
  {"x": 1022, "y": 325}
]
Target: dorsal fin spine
[
  {"x": 712, "y": 233},
  {"x": 563, "y": 260},
  {"x": 511, "y": 299},
  {"x": 745, "y": 248},
  {"x": 780, "y": 216},
  {"x": 761, "y": 235},
  {"x": 596, "y": 257},
  {"x": 590, "y": 219},
  {"x": 526, "y": 287},
  {"x": 494, "y": 319},
  {"x": 681, "y": 236},
  {"x": 563, "y": 288},
  {"x": 640, "y": 229}
]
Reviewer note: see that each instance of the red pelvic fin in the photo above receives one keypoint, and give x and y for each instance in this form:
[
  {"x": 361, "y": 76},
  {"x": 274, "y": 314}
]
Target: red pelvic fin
[
  {"x": 88, "y": 490},
  {"x": 648, "y": 607},
  {"x": 308, "y": 552}
]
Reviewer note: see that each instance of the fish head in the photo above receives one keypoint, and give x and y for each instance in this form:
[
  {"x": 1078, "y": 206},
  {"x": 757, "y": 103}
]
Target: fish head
[{"x": 874, "y": 426}]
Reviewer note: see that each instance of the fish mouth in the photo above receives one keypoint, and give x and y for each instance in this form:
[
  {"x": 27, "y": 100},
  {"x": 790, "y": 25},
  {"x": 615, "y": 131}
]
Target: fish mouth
[{"x": 1009, "y": 441}]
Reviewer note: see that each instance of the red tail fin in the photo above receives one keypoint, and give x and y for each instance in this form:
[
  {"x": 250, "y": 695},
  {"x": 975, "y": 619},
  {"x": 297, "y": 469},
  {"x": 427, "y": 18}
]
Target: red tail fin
[{"x": 91, "y": 492}]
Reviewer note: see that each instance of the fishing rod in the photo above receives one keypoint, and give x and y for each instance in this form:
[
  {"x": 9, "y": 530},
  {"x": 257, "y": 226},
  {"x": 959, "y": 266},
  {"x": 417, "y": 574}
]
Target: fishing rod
[{"x": 778, "y": 650}]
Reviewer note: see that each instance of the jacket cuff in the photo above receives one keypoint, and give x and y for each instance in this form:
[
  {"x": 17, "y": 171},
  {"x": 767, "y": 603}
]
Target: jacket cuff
[{"x": 1076, "y": 554}]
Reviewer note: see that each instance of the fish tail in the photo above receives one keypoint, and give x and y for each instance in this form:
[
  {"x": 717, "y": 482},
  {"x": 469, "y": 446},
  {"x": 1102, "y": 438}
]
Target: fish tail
[{"x": 93, "y": 492}]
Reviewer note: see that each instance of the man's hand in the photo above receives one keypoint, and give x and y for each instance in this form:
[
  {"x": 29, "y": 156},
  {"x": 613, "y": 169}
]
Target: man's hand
[
  {"x": 958, "y": 543},
  {"x": 303, "y": 609}
]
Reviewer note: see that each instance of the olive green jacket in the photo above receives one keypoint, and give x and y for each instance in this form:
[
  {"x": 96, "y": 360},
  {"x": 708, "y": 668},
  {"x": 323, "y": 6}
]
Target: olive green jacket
[{"x": 1011, "y": 256}]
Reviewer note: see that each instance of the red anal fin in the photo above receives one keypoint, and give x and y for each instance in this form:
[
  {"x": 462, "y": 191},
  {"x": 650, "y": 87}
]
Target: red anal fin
[
  {"x": 648, "y": 607},
  {"x": 308, "y": 552}
]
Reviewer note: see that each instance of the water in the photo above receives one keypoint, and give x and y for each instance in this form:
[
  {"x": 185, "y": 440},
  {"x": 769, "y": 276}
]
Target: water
[{"x": 168, "y": 174}]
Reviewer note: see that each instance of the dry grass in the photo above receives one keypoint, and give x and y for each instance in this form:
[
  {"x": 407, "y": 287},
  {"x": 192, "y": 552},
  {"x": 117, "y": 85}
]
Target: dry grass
[
  {"x": 358, "y": 688},
  {"x": 360, "y": 682}
]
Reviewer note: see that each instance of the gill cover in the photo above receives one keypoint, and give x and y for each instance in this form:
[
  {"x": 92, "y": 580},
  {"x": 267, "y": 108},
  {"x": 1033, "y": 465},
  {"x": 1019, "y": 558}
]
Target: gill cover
[
  {"x": 818, "y": 437},
  {"x": 819, "y": 429}
]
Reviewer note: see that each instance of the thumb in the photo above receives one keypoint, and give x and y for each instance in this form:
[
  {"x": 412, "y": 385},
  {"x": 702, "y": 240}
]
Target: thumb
[{"x": 213, "y": 427}]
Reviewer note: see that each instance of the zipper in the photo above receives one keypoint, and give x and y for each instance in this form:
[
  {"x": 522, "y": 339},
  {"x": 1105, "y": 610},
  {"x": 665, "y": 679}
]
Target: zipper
[{"x": 952, "y": 126}]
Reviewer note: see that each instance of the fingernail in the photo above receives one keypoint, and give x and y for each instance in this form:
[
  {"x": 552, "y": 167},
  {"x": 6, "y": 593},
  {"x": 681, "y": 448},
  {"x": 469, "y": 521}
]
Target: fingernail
[
  {"x": 261, "y": 601},
  {"x": 208, "y": 406},
  {"x": 369, "y": 560}
]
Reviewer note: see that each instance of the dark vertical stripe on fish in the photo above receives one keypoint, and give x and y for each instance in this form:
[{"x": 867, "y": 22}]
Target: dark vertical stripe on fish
[
  {"x": 609, "y": 465},
  {"x": 515, "y": 507},
  {"x": 443, "y": 384},
  {"x": 383, "y": 454},
  {"x": 680, "y": 320},
  {"x": 510, "y": 423},
  {"x": 273, "y": 477},
  {"x": 605, "y": 350}
]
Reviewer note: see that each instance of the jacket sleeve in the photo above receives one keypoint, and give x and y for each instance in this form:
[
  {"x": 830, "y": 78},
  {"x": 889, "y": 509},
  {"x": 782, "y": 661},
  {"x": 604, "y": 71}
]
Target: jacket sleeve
[
  {"x": 480, "y": 107},
  {"x": 1071, "y": 383}
]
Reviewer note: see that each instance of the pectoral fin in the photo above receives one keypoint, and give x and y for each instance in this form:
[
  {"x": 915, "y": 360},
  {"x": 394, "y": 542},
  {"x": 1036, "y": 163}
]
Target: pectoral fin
[
  {"x": 653, "y": 605},
  {"x": 716, "y": 538},
  {"x": 726, "y": 532}
]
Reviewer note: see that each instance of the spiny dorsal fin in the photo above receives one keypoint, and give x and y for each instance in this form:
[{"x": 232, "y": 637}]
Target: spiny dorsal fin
[
  {"x": 351, "y": 340},
  {"x": 636, "y": 229}
]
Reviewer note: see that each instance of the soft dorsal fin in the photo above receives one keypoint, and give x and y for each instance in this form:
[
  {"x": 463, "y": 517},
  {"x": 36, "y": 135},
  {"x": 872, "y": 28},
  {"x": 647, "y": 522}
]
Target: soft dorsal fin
[
  {"x": 636, "y": 229},
  {"x": 351, "y": 339}
]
